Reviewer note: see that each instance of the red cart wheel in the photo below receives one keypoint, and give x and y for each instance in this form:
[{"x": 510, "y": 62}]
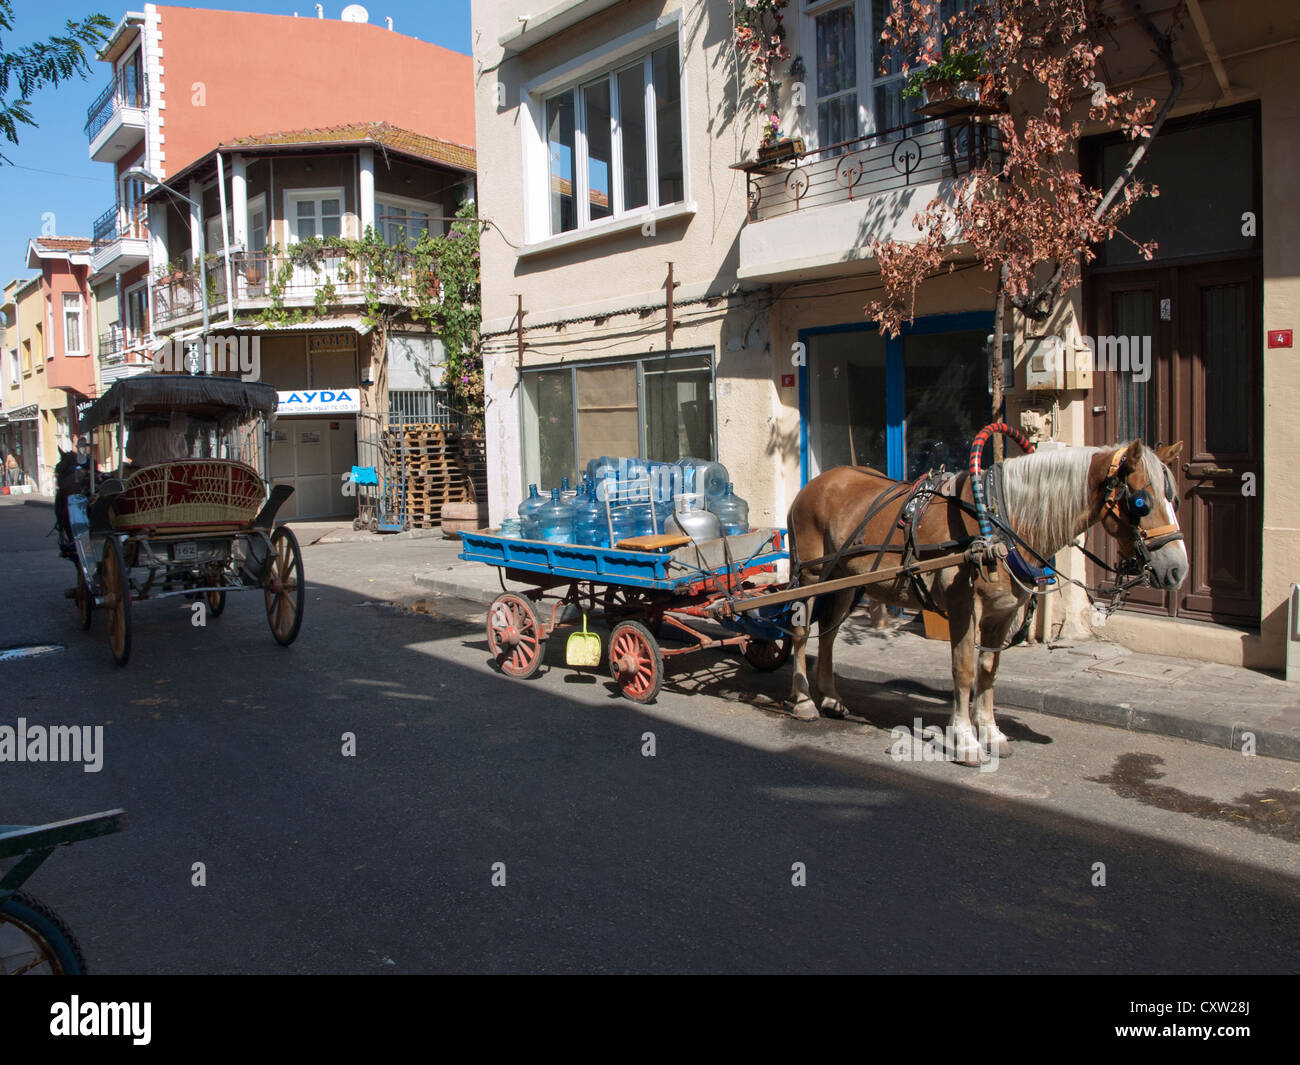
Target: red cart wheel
[
  {"x": 768, "y": 655},
  {"x": 515, "y": 635},
  {"x": 116, "y": 582},
  {"x": 635, "y": 662}
]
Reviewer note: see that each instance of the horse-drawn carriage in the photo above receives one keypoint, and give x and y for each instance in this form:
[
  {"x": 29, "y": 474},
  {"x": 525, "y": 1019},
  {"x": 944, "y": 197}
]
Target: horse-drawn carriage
[{"x": 189, "y": 515}]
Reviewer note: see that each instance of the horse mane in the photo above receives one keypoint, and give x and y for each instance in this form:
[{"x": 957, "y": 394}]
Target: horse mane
[{"x": 1047, "y": 492}]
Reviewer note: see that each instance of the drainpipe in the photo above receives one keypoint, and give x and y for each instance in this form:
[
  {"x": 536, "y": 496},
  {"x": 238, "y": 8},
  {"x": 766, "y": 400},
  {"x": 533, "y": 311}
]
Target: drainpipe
[{"x": 225, "y": 240}]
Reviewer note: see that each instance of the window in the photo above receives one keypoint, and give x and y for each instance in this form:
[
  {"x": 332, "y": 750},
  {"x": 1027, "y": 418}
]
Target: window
[
  {"x": 257, "y": 223},
  {"x": 856, "y": 83},
  {"x": 658, "y": 408},
  {"x": 403, "y": 221},
  {"x": 136, "y": 323},
  {"x": 13, "y": 366},
  {"x": 73, "y": 341},
  {"x": 614, "y": 143},
  {"x": 315, "y": 213}
]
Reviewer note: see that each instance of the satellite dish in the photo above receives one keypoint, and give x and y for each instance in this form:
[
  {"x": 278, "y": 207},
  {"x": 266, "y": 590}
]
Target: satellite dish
[{"x": 355, "y": 13}]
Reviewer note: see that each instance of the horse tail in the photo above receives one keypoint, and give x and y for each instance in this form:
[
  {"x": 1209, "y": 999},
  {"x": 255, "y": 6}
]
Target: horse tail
[{"x": 793, "y": 548}]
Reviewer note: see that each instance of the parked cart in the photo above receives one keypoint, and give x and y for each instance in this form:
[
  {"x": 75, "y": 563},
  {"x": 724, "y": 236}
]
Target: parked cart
[{"x": 663, "y": 586}]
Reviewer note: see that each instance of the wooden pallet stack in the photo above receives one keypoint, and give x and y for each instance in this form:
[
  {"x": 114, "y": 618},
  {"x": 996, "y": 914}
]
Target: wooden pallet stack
[
  {"x": 434, "y": 471},
  {"x": 473, "y": 456}
]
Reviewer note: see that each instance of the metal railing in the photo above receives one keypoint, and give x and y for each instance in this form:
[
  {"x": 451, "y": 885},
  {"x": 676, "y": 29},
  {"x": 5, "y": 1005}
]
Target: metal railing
[
  {"x": 110, "y": 343},
  {"x": 116, "y": 224},
  {"x": 254, "y": 275},
  {"x": 127, "y": 88},
  {"x": 919, "y": 152}
]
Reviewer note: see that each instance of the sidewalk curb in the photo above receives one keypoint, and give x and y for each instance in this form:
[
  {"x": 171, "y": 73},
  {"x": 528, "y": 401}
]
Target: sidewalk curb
[
  {"x": 1015, "y": 694},
  {"x": 369, "y": 537}
]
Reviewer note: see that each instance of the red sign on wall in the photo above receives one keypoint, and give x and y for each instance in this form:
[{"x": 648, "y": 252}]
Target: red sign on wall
[
  {"x": 787, "y": 380},
  {"x": 1279, "y": 338}
]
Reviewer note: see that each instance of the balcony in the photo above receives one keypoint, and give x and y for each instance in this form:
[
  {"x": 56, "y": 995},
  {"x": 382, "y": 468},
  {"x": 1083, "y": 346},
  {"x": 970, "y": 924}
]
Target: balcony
[
  {"x": 815, "y": 214},
  {"x": 116, "y": 121},
  {"x": 120, "y": 240},
  {"x": 177, "y": 301}
]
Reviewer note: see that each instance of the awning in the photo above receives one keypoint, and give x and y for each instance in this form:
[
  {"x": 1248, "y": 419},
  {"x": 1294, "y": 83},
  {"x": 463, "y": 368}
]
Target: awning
[
  {"x": 203, "y": 396},
  {"x": 28, "y": 413}
]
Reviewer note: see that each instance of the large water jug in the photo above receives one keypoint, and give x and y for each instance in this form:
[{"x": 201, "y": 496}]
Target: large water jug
[
  {"x": 555, "y": 520},
  {"x": 528, "y": 514},
  {"x": 691, "y": 519},
  {"x": 624, "y": 521},
  {"x": 602, "y": 468},
  {"x": 709, "y": 477},
  {"x": 732, "y": 512},
  {"x": 567, "y": 494},
  {"x": 589, "y": 526}
]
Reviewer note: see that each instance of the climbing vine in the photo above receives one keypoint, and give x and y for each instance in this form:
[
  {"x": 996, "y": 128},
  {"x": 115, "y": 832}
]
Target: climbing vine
[{"x": 433, "y": 281}]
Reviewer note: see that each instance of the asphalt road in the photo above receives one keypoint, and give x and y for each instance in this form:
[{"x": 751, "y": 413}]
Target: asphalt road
[{"x": 226, "y": 749}]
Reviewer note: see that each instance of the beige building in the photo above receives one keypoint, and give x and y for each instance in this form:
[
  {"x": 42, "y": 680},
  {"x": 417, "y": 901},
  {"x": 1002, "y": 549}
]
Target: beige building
[{"x": 618, "y": 150}]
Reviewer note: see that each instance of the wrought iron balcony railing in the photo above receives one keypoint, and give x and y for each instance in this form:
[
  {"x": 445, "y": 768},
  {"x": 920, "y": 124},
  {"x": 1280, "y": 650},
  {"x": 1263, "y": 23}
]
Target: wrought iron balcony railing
[
  {"x": 126, "y": 89},
  {"x": 919, "y": 152},
  {"x": 258, "y": 276},
  {"x": 117, "y": 223}
]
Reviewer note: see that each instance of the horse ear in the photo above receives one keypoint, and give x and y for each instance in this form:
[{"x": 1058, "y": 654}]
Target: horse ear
[
  {"x": 1133, "y": 456},
  {"x": 1169, "y": 452}
]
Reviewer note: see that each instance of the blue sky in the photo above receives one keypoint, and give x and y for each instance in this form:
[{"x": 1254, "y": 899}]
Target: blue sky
[{"x": 52, "y": 171}]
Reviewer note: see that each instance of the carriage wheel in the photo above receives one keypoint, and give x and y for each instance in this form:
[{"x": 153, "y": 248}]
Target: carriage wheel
[
  {"x": 515, "y": 635},
  {"x": 285, "y": 587},
  {"x": 34, "y": 941},
  {"x": 116, "y": 583},
  {"x": 85, "y": 600},
  {"x": 635, "y": 662},
  {"x": 216, "y": 602},
  {"x": 768, "y": 655}
]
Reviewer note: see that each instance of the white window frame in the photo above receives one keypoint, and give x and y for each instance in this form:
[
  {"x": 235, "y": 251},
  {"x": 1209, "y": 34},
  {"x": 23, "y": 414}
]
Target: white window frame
[
  {"x": 15, "y": 368},
  {"x": 291, "y": 200},
  {"x": 864, "y": 48},
  {"x": 255, "y": 204},
  {"x": 433, "y": 210},
  {"x": 80, "y": 348},
  {"x": 594, "y": 63},
  {"x": 132, "y": 335}
]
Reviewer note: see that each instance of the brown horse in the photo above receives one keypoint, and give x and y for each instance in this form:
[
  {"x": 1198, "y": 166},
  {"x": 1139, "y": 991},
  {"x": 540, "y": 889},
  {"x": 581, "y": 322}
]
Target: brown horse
[{"x": 1051, "y": 497}]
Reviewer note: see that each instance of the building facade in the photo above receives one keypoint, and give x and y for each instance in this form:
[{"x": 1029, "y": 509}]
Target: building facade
[
  {"x": 359, "y": 126},
  {"x": 652, "y": 287}
]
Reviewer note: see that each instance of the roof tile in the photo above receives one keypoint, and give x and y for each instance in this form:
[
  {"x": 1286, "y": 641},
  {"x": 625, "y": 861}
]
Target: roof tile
[{"x": 379, "y": 133}]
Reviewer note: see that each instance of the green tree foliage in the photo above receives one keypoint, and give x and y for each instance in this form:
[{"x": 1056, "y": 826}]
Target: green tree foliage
[{"x": 34, "y": 66}]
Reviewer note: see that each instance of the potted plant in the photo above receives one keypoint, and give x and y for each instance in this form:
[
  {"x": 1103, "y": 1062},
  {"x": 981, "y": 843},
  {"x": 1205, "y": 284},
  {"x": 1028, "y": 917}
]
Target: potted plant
[
  {"x": 773, "y": 148},
  {"x": 957, "y": 79}
]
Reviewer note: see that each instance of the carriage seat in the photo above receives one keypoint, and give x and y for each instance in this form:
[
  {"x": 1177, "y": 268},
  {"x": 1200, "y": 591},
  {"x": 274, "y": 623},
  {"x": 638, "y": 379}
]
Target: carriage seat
[{"x": 214, "y": 495}]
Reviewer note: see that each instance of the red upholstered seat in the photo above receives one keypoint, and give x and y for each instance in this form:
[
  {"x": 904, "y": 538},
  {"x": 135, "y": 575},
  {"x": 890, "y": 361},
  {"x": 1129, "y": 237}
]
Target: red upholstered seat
[{"x": 189, "y": 492}]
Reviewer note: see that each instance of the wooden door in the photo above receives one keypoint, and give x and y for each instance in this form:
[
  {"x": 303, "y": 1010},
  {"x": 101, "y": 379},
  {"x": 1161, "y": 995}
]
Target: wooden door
[{"x": 1204, "y": 388}]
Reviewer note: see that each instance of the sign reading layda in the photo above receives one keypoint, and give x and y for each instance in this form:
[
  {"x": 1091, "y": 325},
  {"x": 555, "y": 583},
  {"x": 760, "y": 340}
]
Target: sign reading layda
[{"x": 319, "y": 401}]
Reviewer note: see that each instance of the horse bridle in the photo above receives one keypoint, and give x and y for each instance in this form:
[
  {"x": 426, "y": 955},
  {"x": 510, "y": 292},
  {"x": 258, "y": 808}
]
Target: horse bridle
[{"x": 1131, "y": 504}]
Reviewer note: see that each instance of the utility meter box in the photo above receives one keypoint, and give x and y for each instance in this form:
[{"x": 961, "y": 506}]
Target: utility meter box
[
  {"x": 1045, "y": 364},
  {"x": 1053, "y": 364}
]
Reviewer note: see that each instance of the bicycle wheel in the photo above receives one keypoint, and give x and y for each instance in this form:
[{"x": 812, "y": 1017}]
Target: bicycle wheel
[{"x": 34, "y": 941}]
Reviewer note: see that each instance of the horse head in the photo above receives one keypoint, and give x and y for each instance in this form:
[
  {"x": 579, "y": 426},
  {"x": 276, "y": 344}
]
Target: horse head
[{"x": 1135, "y": 497}]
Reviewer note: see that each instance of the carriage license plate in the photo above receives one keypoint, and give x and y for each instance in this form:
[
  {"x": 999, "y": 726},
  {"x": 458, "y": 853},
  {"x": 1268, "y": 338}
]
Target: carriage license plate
[{"x": 186, "y": 551}]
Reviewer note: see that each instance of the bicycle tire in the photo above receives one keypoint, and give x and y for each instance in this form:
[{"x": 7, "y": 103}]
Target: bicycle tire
[{"x": 59, "y": 952}]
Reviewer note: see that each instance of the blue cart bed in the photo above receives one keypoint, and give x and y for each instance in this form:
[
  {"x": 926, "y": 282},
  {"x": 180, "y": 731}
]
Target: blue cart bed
[{"x": 675, "y": 570}]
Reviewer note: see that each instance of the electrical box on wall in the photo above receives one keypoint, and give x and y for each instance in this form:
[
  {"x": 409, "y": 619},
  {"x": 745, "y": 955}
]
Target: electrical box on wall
[
  {"x": 1053, "y": 364},
  {"x": 1044, "y": 364}
]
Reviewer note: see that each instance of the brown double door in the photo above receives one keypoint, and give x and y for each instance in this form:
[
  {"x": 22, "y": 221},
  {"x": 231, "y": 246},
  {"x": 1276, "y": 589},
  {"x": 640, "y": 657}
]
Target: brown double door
[{"x": 1203, "y": 386}]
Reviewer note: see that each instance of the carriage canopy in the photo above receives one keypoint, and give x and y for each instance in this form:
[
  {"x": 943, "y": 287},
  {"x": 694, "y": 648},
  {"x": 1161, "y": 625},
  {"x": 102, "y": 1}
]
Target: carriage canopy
[{"x": 201, "y": 397}]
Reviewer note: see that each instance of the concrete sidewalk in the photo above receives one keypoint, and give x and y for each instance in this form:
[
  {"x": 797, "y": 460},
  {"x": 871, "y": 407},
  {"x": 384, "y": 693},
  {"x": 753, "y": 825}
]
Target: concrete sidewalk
[{"x": 1090, "y": 680}]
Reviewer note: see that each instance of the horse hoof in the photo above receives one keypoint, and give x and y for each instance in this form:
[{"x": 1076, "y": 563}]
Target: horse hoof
[
  {"x": 834, "y": 708},
  {"x": 966, "y": 750},
  {"x": 806, "y": 711},
  {"x": 998, "y": 745}
]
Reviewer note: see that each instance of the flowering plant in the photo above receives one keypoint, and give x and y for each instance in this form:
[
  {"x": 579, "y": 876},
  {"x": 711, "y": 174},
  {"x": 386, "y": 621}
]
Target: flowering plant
[{"x": 760, "y": 37}]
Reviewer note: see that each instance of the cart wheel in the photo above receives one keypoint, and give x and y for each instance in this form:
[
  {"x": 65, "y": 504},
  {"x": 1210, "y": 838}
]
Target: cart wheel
[
  {"x": 768, "y": 655},
  {"x": 635, "y": 662},
  {"x": 116, "y": 583},
  {"x": 515, "y": 636},
  {"x": 34, "y": 941},
  {"x": 216, "y": 602},
  {"x": 285, "y": 587},
  {"x": 85, "y": 600}
]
